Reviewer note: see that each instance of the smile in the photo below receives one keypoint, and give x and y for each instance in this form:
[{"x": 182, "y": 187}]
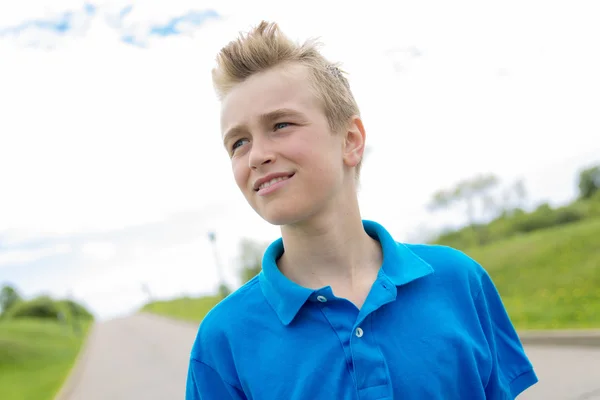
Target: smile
[
  {"x": 273, "y": 181},
  {"x": 272, "y": 184}
]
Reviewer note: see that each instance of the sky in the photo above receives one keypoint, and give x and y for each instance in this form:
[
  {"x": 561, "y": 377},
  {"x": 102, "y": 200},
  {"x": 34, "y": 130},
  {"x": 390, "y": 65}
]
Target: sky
[{"x": 112, "y": 172}]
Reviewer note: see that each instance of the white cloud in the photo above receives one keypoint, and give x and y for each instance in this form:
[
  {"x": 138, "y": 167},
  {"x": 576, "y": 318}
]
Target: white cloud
[
  {"x": 99, "y": 250},
  {"x": 167, "y": 271},
  {"x": 13, "y": 257}
]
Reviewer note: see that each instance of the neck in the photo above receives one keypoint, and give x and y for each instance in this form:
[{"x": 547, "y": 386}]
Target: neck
[{"x": 331, "y": 249}]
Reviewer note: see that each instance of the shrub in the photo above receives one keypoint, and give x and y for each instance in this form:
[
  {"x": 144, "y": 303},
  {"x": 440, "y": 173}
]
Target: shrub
[
  {"x": 40, "y": 307},
  {"x": 75, "y": 310}
]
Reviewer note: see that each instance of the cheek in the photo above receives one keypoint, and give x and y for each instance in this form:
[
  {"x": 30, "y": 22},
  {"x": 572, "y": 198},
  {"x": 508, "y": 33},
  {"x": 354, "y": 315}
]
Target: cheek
[
  {"x": 240, "y": 173},
  {"x": 331, "y": 165},
  {"x": 326, "y": 155},
  {"x": 323, "y": 167}
]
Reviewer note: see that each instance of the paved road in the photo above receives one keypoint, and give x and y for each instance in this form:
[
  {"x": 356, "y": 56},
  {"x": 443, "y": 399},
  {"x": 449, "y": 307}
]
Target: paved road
[
  {"x": 138, "y": 357},
  {"x": 146, "y": 357},
  {"x": 565, "y": 373}
]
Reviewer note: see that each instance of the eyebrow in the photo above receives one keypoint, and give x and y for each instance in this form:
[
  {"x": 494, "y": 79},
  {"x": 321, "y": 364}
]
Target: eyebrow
[{"x": 264, "y": 120}]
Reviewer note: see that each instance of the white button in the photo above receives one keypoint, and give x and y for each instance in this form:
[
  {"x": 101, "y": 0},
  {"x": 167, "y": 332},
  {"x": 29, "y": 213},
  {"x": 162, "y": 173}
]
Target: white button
[
  {"x": 359, "y": 332},
  {"x": 322, "y": 299}
]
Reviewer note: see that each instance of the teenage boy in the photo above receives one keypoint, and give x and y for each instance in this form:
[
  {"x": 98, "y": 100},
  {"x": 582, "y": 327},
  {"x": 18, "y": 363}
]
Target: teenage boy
[{"x": 340, "y": 310}]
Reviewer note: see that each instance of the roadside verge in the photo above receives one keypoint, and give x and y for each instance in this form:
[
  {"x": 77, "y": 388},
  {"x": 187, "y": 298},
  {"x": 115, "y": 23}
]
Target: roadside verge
[
  {"x": 579, "y": 338},
  {"x": 78, "y": 367}
]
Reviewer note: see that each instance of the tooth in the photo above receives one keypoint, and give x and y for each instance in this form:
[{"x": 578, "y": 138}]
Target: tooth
[{"x": 271, "y": 182}]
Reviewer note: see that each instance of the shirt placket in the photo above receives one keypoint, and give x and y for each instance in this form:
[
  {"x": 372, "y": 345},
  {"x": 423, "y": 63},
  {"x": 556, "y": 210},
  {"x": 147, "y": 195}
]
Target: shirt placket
[
  {"x": 369, "y": 365},
  {"x": 356, "y": 332}
]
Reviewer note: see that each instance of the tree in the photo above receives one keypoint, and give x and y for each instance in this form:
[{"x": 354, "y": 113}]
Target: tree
[
  {"x": 466, "y": 193},
  {"x": 224, "y": 290},
  {"x": 589, "y": 182},
  {"x": 251, "y": 253},
  {"x": 441, "y": 200},
  {"x": 514, "y": 197},
  {"x": 471, "y": 190},
  {"x": 8, "y": 298}
]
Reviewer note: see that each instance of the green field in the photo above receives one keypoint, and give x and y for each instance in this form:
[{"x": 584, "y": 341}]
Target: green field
[
  {"x": 187, "y": 309},
  {"x": 36, "y": 357},
  {"x": 548, "y": 279}
]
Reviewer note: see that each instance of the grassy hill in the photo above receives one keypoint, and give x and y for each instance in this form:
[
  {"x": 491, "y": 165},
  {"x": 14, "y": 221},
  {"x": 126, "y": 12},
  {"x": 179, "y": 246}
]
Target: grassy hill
[
  {"x": 548, "y": 279},
  {"x": 188, "y": 309},
  {"x": 36, "y": 356}
]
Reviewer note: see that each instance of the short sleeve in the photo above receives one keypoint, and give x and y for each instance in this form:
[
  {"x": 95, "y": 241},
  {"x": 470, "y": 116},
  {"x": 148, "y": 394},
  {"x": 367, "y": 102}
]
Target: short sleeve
[
  {"x": 512, "y": 372},
  {"x": 204, "y": 383}
]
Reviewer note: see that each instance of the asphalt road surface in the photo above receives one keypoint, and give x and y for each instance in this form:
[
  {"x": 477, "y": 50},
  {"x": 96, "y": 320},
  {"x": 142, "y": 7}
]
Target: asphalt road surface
[{"x": 146, "y": 357}]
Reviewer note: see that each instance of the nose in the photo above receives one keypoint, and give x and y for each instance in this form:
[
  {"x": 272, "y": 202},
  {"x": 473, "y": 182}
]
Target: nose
[{"x": 260, "y": 154}]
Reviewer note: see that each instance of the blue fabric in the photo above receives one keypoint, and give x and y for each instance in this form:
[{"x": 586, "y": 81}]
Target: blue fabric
[{"x": 432, "y": 327}]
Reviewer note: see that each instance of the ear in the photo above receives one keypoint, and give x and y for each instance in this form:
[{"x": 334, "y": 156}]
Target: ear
[{"x": 354, "y": 142}]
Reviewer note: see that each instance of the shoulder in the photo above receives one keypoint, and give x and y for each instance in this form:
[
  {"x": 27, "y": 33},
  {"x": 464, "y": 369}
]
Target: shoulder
[
  {"x": 437, "y": 255},
  {"x": 484, "y": 315},
  {"x": 450, "y": 264},
  {"x": 224, "y": 322}
]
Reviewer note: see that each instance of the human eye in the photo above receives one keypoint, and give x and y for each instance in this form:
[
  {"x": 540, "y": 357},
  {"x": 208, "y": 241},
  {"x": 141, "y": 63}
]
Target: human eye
[
  {"x": 237, "y": 144},
  {"x": 281, "y": 125}
]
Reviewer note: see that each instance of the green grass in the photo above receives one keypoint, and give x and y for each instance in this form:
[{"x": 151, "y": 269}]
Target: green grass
[
  {"x": 36, "y": 357},
  {"x": 548, "y": 279},
  {"x": 188, "y": 309}
]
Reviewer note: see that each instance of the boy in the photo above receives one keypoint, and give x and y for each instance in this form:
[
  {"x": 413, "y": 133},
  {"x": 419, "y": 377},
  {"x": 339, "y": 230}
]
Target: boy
[{"x": 340, "y": 310}]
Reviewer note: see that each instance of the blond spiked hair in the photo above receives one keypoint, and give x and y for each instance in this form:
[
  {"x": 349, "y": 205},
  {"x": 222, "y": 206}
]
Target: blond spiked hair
[{"x": 266, "y": 47}]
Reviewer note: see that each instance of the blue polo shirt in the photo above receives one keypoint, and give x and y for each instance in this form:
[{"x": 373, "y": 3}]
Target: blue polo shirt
[{"x": 432, "y": 327}]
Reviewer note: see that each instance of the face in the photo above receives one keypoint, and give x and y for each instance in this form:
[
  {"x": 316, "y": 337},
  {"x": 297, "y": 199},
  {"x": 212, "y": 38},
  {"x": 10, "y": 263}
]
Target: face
[{"x": 285, "y": 159}]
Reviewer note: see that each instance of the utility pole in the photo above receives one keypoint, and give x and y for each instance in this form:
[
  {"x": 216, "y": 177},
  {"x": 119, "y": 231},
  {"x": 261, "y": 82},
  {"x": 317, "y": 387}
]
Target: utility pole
[{"x": 223, "y": 289}]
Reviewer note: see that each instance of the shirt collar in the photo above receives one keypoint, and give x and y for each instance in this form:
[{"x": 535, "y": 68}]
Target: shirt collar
[{"x": 400, "y": 266}]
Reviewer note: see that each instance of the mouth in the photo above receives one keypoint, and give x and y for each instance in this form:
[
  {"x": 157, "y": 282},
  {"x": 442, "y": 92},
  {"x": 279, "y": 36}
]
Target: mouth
[{"x": 270, "y": 181}]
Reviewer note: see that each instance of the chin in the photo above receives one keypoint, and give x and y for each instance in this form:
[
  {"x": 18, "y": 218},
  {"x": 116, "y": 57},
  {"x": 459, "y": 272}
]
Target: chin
[
  {"x": 280, "y": 219},
  {"x": 280, "y": 216}
]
